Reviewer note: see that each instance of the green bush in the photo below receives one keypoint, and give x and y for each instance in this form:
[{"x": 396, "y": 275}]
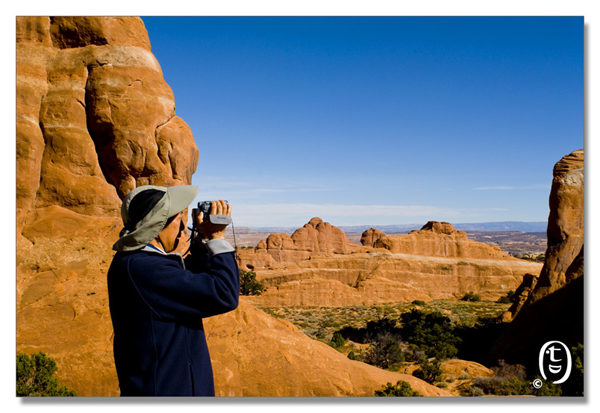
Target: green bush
[
  {"x": 419, "y": 303},
  {"x": 431, "y": 333},
  {"x": 508, "y": 298},
  {"x": 473, "y": 391},
  {"x": 470, "y": 296},
  {"x": 431, "y": 372},
  {"x": 574, "y": 386},
  {"x": 35, "y": 377},
  {"x": 338, "y": 340},
  {"x": 384, "y": 351},
  {"x": 248, "y": 283},
  {"x": 400, "y": 389}
]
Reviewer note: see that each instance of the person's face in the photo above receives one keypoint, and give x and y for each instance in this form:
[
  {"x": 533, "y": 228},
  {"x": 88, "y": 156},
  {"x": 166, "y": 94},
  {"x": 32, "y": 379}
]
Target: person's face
[{"x": 173, "y": 235}]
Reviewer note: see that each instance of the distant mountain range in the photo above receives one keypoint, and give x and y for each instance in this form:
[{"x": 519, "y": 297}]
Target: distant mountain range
[{"x": 481, "y": 226}]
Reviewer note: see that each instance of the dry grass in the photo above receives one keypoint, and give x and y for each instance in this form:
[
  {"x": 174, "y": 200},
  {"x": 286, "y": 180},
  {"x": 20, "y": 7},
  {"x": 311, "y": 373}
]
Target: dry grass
[{"x": 321, "y": 322}]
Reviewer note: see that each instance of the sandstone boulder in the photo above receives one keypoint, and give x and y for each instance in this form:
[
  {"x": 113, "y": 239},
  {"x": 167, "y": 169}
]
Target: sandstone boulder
[{"x": 370, "y": 236}]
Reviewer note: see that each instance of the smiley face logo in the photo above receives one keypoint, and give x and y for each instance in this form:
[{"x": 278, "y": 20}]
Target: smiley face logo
[{"x": 555, "y": 362}]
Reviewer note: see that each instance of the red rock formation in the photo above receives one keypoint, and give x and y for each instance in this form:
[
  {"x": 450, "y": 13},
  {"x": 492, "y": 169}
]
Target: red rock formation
[
  {"x": 439, "y": 239},
  {"x": 313, "y": 239},
  {"x": 377, "y": 277},
  {"x": 95, "y": 119},
  {"x": 370, "y": 236},
  {"x": 554, "y": 308},
  {"x": 435, "y": 262},
  {"x": 255, "y": 354},
  {"x": 521, "y": 295},
  {"x": 565, "y": 225}
]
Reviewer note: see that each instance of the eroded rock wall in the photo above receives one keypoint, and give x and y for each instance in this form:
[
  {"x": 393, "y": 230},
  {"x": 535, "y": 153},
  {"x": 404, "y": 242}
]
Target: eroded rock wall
[
  {"x": 95, "y": 119},
  {"x": 554, "y": 307},
  {"x": 439, "y": 239},
  {"x": 315, "y": 238}
]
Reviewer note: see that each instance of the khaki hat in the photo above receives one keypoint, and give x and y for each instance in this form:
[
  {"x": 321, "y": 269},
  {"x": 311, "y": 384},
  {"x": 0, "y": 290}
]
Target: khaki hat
[{"x": 141, "y": 225}]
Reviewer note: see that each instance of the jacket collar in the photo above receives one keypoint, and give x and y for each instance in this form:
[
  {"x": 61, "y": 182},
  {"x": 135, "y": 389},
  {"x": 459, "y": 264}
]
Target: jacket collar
[{"x": 152, "y": 248}]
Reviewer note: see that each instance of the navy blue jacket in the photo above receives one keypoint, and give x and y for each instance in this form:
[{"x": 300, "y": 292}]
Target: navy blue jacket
[{"x": 157, "y": 303}]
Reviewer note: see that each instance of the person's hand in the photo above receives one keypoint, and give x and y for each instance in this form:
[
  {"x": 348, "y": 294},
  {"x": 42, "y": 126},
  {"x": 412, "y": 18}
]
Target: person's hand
[{"x": 209, "y": 230}]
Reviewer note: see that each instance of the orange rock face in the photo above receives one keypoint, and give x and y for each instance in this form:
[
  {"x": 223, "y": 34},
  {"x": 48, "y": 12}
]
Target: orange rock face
[
  {"x": 565, "y": 226},
  {"x": 553, "y": 309},
  {"x": 370, "y": 236},
  {"x": 314, "y": 239},
  {"x": 439, "y": 239},
  {"x": 378, "y": 277},
  {"x": 95, "y": 119}
]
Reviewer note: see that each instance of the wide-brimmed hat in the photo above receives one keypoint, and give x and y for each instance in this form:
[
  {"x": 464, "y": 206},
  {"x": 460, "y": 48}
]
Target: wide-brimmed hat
[{"x": 146, "y": 210}]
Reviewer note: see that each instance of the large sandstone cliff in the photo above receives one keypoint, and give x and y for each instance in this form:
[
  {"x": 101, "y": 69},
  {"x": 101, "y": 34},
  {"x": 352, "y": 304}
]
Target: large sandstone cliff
[
  {"x": 552, "y": 308},
  {"x": 95, "y": 119}
]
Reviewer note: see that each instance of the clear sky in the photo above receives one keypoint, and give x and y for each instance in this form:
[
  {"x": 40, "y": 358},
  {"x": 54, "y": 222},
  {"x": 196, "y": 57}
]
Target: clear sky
[{"x": 376, "y": 120}]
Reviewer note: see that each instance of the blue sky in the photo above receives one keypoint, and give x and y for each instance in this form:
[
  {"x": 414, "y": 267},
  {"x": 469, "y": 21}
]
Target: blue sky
[{"x": 376, "y": 120}]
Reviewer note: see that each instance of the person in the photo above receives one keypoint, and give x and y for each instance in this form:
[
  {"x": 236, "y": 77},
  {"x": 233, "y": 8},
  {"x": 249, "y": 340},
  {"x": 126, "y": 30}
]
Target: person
[{"x": 158, "y": 299}]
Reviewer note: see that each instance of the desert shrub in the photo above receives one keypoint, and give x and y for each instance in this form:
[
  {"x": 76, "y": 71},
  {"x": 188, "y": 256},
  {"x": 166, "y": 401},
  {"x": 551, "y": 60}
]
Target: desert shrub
[
  {"x": 473, "y": 391},
  {"x": 502, "y": 386},
  {"x": 508, "y": 298},
  {"x": 464, "y": 376},
  {"x": 382, "y": 326},
  {"x": 419, "y": 302},
  {"x": 510, "y": 370},
  {"x": 400, "y": 389},
  {"x": 352, "y": 355},
  {"x": 430, "y": 371},
  {"x": 248, "y": 283},
  {"x": 337, "y": 340},
  {"x": 442, "y": 385},
  {"x": 548, "y": 389},
  {"x": 470, "y": 296},
  {"x": 512, "y": 386},
  {"x": 432, "y": 333},
  {"x": 384, "y": 351},
  {"x": 35, "y": 377}
]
